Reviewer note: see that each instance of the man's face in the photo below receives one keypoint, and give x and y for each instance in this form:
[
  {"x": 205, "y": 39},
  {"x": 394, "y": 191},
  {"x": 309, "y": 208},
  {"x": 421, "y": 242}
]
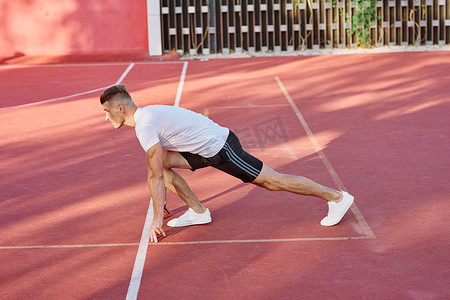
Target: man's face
[{"x": 114, "y": 114}]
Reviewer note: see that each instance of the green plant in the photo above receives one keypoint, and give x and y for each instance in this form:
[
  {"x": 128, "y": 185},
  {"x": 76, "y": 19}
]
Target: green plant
[
  {"x": 365, "y": 15},
  {"x": 297, "y": 2},
  {"x": 424, "y": 9}
]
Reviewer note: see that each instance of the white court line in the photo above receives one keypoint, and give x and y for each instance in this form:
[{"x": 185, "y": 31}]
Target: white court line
[
  {"x": 67, "y": 246},
  {"x": 90, "y": 64},
  {"x": 325, "y": 160},
  {"x": 64, "y": 65},
  {"x": 55, "y": 99},
  {"x": 249, "y": 77},
  {"x": 139, "y": 263},
  {"x": 141, "y": 258},
  {"x": 250, "y": 106},
  {"x": 264, "y": 240},
  {"x": 136, "y": 275},
  {"x": 181, "y": 84},
  {"x": 121, "y": 78}
]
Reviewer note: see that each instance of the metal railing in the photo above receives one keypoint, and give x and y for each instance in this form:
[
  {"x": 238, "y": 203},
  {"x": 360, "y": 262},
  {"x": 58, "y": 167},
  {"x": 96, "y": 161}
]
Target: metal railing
[{"x": 226, "y": 26}]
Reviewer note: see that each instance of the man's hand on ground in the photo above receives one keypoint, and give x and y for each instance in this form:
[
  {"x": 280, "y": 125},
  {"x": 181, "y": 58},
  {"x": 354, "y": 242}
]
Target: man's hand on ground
[{"x": 155, "y": 229}]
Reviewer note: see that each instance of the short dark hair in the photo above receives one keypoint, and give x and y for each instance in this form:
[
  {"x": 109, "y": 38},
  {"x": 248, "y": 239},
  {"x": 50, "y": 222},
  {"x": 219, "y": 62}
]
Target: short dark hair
[{"x": 116, "y": 90}]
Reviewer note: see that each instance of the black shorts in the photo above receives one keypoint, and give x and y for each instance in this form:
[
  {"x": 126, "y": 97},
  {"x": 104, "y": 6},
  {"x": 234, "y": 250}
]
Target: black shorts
[{"x": 231, "y": 159}]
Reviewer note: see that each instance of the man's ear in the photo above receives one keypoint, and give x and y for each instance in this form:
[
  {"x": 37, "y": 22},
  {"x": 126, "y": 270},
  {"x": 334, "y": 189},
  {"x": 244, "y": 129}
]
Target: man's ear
[{"x": 121, "y": 108}]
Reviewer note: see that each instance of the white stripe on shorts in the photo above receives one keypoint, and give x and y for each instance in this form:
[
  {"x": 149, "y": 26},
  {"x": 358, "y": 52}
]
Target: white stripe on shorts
[{"x": 240, "y": 163}]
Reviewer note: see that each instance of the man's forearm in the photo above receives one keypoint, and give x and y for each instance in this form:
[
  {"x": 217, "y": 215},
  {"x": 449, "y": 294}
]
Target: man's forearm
[{"x": 158, "y": 192}]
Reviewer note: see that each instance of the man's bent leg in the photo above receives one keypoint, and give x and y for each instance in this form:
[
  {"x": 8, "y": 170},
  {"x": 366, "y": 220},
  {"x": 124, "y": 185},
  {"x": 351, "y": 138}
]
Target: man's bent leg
[
  {"x": 274, "y": 181},
  {"x": 176, "y": 184},
  {"x": 197, "y": 213}
]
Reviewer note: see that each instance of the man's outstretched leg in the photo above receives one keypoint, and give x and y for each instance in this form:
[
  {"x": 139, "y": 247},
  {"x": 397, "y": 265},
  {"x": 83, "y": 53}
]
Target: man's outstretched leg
[{"x": 338, "y": 202}]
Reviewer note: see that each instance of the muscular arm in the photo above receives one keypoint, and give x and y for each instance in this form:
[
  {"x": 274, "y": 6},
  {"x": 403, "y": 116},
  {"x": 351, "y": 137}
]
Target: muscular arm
[{"x": 157, "y": 189}]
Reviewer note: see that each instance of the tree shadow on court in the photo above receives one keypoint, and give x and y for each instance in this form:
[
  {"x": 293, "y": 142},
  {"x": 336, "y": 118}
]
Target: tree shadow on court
[
  {"x": 389, "y": 149},
  {"x": 381, "y": 123}
]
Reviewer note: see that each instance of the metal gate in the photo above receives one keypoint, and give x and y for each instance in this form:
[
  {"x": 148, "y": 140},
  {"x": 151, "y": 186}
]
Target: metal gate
[{"x": 225, "y": 26}]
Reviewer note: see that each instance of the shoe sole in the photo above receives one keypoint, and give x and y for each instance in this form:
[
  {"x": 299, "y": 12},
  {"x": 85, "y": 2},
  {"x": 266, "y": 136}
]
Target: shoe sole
[{"x": 185, "y": 225}]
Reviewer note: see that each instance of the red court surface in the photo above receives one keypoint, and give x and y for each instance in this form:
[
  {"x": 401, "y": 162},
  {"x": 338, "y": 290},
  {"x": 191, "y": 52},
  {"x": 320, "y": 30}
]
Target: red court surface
[{"x": 74, "y": 198}]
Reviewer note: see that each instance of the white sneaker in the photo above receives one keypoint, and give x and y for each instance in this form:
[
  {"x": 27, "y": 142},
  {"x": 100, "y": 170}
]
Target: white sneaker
[
  {"x": 337, "y": 210},
  {"x": 191, "y": 218}
]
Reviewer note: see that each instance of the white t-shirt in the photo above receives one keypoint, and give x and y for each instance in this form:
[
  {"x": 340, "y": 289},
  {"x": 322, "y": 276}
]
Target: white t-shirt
[{"x": 179, "y": 129}]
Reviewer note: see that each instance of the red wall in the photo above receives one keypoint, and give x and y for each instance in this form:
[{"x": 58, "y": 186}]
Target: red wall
[{"x": 60, "y": 27}]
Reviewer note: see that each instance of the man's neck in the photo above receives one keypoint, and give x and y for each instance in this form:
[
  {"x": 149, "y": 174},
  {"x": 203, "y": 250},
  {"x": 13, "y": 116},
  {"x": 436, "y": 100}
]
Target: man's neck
[{"x": 129, "y": 118}]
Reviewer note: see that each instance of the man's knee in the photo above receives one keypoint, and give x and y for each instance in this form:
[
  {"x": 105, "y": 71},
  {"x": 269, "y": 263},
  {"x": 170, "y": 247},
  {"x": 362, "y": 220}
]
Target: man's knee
[
  {"x": 269, "y": 185},
  {"x": 167, "y": 160},
  {"x": 268, "y": 179}
]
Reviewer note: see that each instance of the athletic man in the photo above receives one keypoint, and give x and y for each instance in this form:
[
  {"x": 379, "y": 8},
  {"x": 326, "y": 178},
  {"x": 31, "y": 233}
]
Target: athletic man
[{"x": 174, "y": 137}]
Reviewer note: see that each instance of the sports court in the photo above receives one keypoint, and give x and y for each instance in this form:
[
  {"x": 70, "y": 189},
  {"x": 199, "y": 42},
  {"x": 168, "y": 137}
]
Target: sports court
[{"x": 74, "y": 202}]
